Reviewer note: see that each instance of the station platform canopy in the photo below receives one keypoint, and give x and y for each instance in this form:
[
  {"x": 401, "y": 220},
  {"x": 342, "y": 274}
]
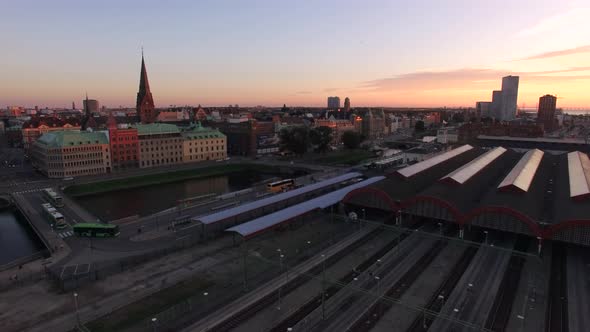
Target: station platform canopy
[
  {"x": 235, "y": 211},
  {"x": 269, "y": 221}
]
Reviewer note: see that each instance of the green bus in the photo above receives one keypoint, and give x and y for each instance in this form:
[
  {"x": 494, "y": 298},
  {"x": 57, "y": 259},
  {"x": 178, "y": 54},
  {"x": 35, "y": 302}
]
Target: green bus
[{"x": 96, "y": 230}]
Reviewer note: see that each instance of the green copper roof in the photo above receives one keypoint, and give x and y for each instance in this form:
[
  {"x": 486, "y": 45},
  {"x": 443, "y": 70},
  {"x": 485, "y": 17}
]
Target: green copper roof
[
  {"x": 200, "y": 132},
  {"x": 156, "y": 128},
  {"x": 59, "y": 139}
]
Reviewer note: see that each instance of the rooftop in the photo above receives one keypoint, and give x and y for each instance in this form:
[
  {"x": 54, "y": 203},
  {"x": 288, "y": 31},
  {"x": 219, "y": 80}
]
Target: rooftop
[
  {"x": 60, "y": 139},
  {"x": 532, "y": 192},
  {"x": 156, "y": 128},
  {"x": 200, "y": 132}
]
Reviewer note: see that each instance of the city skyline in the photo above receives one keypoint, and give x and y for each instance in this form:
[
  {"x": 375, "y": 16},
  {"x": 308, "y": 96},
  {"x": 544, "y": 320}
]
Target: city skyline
[{"x": 383, "y": 53}]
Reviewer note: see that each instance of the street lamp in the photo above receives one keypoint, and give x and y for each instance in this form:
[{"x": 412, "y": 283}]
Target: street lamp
[
  {"x": 77, "y": 311},
  {"x": 281, "y": 256},
  {"x": 442, "y": 300},
  {"x": 323, "y": 287},
  {"x": 378, "y": 294},
  {"x": 154, "y": 324}
]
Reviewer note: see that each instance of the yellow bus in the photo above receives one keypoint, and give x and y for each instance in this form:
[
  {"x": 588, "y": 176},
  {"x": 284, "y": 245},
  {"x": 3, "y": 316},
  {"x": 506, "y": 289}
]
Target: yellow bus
[{"x": 281, "y": 185}]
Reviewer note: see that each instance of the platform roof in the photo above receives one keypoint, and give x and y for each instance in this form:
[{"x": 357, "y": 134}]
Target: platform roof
[
  {"x": 400, "y": 188},
  {"x": 467, "y": 171},
  {"x": 431, "y": 162},
  {"x": 536, "y": 201},
  {"x": 234, "y": 211},
  {"x": 578, "y": 174},
  {"x": 268, "y": 221},
  {"x": 566, "y": 207},
  {"x": 468, "y": 194},
  {"x": 521, "y": 176}
]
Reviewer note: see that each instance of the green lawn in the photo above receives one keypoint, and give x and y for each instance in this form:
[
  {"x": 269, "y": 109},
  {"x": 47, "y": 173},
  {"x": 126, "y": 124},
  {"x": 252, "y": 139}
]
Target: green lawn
[
  {"x": 151, "y": 179},
  {"x": 344, "y": 157},
  {"x": 145, "y": 308}
]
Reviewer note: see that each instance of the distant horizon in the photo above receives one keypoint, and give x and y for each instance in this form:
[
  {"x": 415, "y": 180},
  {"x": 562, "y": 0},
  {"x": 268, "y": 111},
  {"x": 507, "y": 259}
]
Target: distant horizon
[{"x": 276, "y": 53}]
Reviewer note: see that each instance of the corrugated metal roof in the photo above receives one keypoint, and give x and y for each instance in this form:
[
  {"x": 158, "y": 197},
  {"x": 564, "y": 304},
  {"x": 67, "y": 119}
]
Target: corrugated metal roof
[
  {"x": 322, "y": 202},
  {"x": 579, "y": 173},
  {"x": 468, "y": 170},
  {"x": 221, "y": 215},
  {"x": 524, "y": 171},
  {"x": 428, "y": 163}
]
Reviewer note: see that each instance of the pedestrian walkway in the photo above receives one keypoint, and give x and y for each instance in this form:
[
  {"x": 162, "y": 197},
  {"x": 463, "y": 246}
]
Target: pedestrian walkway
[
  {"x": 28, "y": 191},
  {"x": 64, "y": 235}
]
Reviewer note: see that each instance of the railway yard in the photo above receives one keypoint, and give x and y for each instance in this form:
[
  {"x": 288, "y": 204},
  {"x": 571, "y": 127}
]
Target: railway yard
[{"x": 420, "y": 278}]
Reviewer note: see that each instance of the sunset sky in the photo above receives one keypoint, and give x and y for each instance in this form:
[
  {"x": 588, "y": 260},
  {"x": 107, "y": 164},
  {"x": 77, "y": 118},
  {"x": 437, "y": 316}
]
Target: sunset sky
[{"x": 270, "y": 52}]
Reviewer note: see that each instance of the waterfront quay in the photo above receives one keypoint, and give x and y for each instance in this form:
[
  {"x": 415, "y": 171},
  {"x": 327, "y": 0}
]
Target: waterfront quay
[{"x": 67, "y": 255}]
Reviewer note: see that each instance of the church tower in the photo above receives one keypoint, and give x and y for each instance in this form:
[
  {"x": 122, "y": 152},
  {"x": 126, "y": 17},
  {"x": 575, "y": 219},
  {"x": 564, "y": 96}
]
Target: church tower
[{"x": 146, "y": 111}]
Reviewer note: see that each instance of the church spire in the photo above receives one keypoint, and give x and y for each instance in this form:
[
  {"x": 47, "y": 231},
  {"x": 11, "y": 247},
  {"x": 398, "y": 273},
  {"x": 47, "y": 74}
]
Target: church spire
[{"x": 145, "y": 102}]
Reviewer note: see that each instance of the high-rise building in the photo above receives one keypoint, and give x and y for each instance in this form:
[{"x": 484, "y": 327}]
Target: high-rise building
[
  {"x": 509, "y": 98},
  {"x": 546, "y": 114},
  {"x": 146, "y": 111},
  {"x": 482, "y": 109},
  {"x": 496, "y": 105},
  {"x": 333, "y": 103},
  {"x": 347, "y": 104}
]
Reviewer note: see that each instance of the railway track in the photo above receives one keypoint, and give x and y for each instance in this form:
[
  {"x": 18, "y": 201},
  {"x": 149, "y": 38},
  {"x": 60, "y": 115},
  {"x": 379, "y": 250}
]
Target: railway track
[
  {"x": 396, "y": 291},
  {"x": 316, "y": 301},
  {"x": 557, "y": 315},
  {"x": 502, "y": 306},
  {"x": 353, "y": 300},
  {"x": 436, "y": 301},
  {"x": 268, "y": 300}
]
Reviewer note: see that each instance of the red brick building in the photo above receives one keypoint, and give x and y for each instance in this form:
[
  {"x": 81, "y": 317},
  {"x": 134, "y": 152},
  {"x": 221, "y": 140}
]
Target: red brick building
[
  {"x": 546, "y": 114},
  {"x": 124, "y": 145}
]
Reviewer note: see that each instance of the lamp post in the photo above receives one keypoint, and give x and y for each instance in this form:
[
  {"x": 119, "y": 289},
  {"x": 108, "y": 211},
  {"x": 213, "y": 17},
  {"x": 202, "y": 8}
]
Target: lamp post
[
  {"x": 486, "y": 233},
  {"x": 323, "y": 287},
  {"x": 155, "y": 324},
  {"x": 77, "y": 311},
  {"x": 378, "y": 294},
  {"x": 281, "y": 256}
]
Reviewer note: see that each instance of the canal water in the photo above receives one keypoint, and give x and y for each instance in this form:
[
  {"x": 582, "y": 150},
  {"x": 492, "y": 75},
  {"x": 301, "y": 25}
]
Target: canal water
[
  {"x": 17, "y": 239},
  {"x": 147, "y": 200}
]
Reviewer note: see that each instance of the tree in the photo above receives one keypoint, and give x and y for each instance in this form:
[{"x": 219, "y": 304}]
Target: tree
[
  {"x": 294, "y": 139},
  {"x": 419, "y": 126},
  {"x": 351, "y": 139},
  {"x": 458, "y": 117},
  {"x": 321, "y": 137}
]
